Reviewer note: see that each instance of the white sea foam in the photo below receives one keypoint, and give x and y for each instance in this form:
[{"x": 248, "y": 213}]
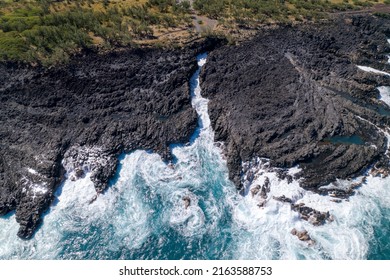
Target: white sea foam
[
  {"x": 198, "y": 102},
  {"x": 73, "y": 214},
  {"x": 39, "y": 188},
  {"x": 47, "y": 242},
  {"x": 373, "y": 70},
  {"x": 264, "y": 232},
  {"x": 146, "y": 199},
  {"x": 384, "y": 93},
  {"x": 122, "y": 208},
  {"x": 188, "y": 221},
  {"x": 34, "y": 188},
  {"x": 32, "y": 171}
]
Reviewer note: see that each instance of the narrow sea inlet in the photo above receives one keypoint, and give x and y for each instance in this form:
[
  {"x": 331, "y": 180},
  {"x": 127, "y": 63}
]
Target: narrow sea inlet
[{"x": 190, "y": 210}]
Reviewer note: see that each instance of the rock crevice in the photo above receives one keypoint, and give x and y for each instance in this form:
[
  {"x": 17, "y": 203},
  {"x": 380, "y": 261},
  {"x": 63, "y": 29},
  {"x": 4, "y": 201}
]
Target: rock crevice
[{"x": 78, "y": 118}]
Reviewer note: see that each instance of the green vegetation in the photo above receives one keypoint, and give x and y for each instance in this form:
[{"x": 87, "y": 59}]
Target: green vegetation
[
  {"x": 383, "y": 15},
  {"x": 254, "y": 11},
  {"x": 50, "y": 31}
]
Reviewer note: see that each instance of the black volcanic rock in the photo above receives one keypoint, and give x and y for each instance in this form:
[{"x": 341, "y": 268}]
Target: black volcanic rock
[
  {"x": 80, "y": 117},
  {"x": 285, "y": 94}
]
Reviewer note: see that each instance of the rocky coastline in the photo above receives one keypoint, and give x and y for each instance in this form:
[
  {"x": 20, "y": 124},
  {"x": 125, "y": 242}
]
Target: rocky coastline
[
  {"x": 286, "y": 94},
  {"x": 282, "y": 95},
  {"x": 80, "y": 117}
]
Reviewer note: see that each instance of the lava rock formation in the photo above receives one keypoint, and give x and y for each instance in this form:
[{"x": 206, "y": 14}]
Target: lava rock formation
[
  {"x": 288, "y": 92},
  {"x": 78, "y": 118}
]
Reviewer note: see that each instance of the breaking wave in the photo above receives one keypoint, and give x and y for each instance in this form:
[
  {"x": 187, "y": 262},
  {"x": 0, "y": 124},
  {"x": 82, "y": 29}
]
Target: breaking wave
[{"x": 188, "y": 209}]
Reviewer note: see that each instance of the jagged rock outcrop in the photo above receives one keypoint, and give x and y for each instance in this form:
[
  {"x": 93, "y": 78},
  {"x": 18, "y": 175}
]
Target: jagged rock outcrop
[
  {"x": 81, "y": 116},
  {"x": 303, "y": 236},
  {"x": 287, "y": 93}
]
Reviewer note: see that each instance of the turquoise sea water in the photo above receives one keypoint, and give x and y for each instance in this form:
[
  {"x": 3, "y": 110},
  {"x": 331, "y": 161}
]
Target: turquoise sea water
[
  {"x": 349, "y": 140},
  {"x": 143, "y": 215}
]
